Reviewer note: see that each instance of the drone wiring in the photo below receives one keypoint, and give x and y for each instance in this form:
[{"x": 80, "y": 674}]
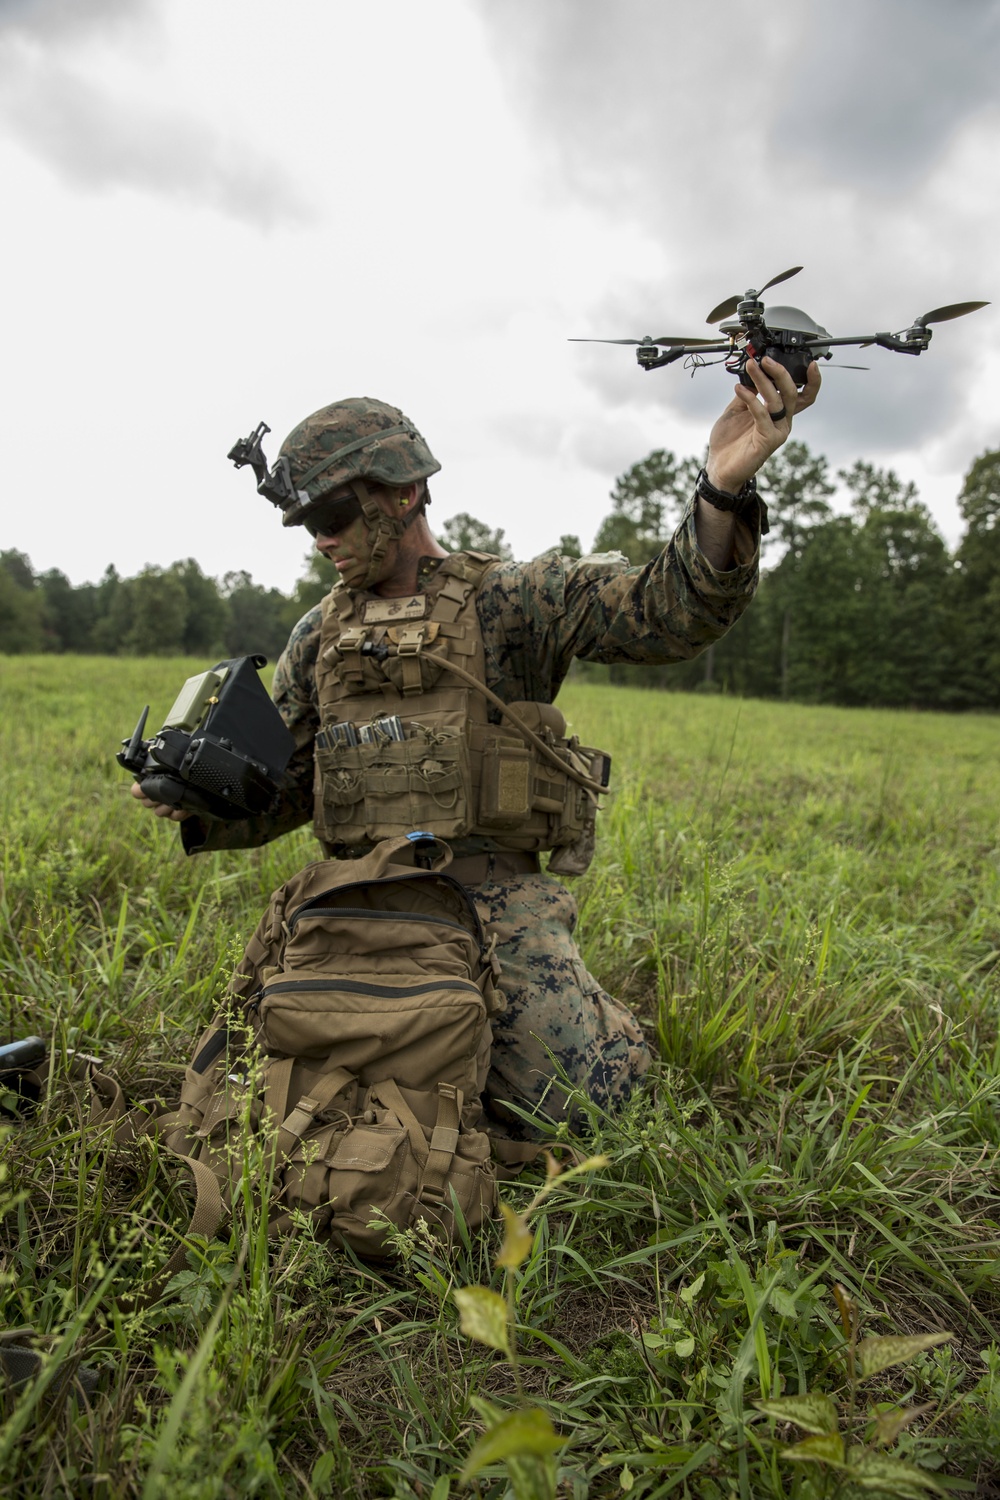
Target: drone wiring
[{"x": 695, "y": 362}]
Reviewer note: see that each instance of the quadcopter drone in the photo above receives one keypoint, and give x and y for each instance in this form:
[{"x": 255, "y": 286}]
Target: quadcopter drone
[{"x": 749, "y": 331}]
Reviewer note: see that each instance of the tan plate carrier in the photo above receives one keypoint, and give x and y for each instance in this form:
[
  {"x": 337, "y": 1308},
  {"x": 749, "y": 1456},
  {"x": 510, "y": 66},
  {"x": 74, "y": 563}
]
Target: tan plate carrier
[{"x": 519, "y": 785}]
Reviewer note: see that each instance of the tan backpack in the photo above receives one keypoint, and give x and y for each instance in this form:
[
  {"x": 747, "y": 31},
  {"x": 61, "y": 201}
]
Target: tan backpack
[{"x": 356, "y": 1047}]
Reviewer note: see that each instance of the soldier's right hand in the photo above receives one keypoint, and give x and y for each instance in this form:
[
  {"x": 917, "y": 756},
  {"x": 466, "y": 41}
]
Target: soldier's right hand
[{"x": 161, "y": 809}]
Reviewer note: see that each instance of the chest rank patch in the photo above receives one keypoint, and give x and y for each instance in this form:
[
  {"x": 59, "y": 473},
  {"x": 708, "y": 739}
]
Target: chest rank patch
[{"x": 389, "y": 611}]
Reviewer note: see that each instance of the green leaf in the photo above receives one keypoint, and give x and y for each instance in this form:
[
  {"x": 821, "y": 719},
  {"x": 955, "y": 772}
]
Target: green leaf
[
  {"x": 689, "y": 1293},
  {"x": 877, "y": 1471},
  {"x": 684, "y": 1347},
  {"x": 889, "y": 1424},
  {"x": 813, "y": 1411},
  {"x": 784, "y": 1303},
  {"x": 522, "y": 1432},
  {"x": 827, "y": 1449},
  {"x": 323, "y": 1470},
  {"x": 626, "y": 1479},
  {"x": 483, "y": 1316},
  {"x": 874, "y": 1355}
]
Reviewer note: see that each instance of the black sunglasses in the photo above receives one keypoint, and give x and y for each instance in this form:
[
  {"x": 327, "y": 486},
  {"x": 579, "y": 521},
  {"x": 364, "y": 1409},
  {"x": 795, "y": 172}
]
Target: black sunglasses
[{"x": 331, "y": 516}]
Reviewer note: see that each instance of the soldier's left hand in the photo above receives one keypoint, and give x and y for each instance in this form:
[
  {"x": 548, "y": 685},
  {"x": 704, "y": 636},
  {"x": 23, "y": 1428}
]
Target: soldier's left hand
[
  {"x": 756, "y": 423},
  {"x": 161, "y": 809}
]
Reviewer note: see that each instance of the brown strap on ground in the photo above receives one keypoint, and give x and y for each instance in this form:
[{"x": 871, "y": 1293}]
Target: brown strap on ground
[
  {"x": 107, "y": 1101},
  {"x": 20, "y": 1363},
  {"x": 205, "y": 1220},
  {"x": 108, "y": 1107},
  {"x": 515, "y": 1153}
]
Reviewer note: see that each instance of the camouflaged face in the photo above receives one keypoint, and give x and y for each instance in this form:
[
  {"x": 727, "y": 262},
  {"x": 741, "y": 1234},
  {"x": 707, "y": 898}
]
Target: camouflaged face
[{"x": 356, "y": 439}]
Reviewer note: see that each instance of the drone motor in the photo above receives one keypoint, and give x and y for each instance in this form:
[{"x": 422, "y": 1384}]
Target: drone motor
[{"x": 789, "y": 336}]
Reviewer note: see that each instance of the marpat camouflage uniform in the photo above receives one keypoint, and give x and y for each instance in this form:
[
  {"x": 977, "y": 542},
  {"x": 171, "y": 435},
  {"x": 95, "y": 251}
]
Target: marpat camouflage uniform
[{"x": 536, "y": 617}]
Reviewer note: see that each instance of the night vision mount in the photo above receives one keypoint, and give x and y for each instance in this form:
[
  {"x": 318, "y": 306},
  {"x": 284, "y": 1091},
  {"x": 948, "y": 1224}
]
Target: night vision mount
[
  {"x": 223, "y": 747},
  {"x": 274, "y": 483},
  {"x": 786, "y": 334}
]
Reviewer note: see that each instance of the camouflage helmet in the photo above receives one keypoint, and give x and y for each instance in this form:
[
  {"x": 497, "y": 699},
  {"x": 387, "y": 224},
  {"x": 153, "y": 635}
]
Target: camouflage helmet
[{"x": 356, "y": 439}]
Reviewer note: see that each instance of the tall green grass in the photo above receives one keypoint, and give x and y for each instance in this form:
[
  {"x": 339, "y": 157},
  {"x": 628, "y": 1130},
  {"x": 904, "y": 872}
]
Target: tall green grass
[{"x": 802, "y": 906}]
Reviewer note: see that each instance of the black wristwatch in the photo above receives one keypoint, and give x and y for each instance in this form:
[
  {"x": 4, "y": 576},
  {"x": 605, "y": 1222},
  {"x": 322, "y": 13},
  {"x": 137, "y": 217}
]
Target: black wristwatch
[{"x": 741, "y": 504}]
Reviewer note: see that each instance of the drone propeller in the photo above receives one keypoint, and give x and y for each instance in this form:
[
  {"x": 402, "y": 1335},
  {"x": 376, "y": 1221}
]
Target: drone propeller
[
  {"x": 727, "y": 308},
  {"x": 945, "y": 314},
  {"x": 668, "y": 339}
]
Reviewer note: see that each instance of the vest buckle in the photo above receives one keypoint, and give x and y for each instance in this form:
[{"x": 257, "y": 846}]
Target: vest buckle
[
  {"x": 411, "y": 640},
  {"x": 351, "y": 640}
]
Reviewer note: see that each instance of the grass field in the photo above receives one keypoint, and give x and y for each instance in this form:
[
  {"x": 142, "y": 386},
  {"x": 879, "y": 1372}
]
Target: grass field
[{"x": 804, "y": 907}]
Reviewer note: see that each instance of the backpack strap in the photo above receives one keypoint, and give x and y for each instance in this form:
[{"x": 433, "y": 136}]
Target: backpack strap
[
  {"x": 511, "y": 1157},
  {"x": 433, "y": 1187},
  {"x": 277, "y": 1087},
  {"x": 295, "y": 1125},
  {"x": 20, "y": 1363},
  {"x": 208, "y": 1213},
  {"x": 435, "y": 1160}
]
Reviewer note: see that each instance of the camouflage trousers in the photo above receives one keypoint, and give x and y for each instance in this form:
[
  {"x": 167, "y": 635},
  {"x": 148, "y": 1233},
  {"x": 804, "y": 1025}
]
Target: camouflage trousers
[{"x": 554, "y": 1006}]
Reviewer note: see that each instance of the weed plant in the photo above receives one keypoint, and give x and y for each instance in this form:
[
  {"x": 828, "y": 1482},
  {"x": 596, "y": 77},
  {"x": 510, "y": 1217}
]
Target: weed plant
[{"x": 802, "y": 906}]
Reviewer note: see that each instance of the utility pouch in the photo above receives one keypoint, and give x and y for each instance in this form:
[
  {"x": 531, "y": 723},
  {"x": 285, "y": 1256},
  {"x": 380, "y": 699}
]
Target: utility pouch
[
  {"x": 575, "y": 832},
  {"x": 372, "y": 792},
  {"x": 506, "y": 786}
]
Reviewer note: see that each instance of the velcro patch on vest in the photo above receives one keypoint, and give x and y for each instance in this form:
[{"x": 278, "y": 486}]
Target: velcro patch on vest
[{"x": 389, "y": 611}]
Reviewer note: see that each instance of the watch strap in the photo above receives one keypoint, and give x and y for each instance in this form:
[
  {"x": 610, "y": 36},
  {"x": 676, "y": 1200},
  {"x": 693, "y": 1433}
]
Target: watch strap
[{"x": 739, "y": 504}]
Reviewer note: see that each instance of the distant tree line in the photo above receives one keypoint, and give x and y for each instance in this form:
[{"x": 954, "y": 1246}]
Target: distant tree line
[
  {"x": 177, "y": 610},
  {"x": 867, "y": 608}
]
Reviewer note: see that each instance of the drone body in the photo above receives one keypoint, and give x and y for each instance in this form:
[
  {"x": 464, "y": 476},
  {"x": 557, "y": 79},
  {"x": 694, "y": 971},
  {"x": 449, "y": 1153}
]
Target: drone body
[{"x": 786, "y": 334}]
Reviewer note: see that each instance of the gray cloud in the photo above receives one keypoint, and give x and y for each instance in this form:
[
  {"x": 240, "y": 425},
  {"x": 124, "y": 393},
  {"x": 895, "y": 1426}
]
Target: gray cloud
[
  {"x": 742, "y": 143},
  {"x": 96, "y": 140},
  {"x": 877, "y": 86},
  {"x": 53, "y": 22},
  {"x": 900, "y": 75}
]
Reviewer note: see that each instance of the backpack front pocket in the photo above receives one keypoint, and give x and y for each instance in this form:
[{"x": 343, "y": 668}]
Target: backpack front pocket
[{"x": 419, "y": 1033}]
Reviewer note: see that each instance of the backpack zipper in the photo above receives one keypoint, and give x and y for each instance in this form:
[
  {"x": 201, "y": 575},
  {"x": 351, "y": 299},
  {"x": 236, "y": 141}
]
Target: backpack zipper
[
  {"x": 359, "y": 987},
  {"x": 376, "y": 916},
  {"x": 394, "y": 880}
]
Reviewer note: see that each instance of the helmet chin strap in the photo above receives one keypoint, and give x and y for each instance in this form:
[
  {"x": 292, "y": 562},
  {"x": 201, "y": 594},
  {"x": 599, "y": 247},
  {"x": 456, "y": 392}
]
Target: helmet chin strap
[{"x": 382, "y": 529}]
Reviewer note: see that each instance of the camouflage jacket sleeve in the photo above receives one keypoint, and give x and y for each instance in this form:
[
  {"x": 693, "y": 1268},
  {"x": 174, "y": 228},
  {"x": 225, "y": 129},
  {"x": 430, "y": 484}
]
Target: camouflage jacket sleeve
[
  {"x": 294, "y": 693},
  {"x": 538, "y": 616}
]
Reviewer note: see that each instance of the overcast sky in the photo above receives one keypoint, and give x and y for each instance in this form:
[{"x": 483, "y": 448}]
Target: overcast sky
[{"x": 218, "y": 211}]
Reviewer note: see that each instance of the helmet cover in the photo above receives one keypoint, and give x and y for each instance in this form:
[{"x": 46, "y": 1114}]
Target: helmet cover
[{"x": 357, "y": 439}]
